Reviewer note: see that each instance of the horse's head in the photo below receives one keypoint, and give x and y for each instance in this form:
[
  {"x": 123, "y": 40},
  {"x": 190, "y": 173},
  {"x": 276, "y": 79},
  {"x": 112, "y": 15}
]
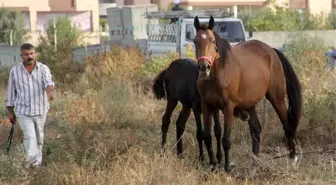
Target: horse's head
[{"x": 205, "y": 46}]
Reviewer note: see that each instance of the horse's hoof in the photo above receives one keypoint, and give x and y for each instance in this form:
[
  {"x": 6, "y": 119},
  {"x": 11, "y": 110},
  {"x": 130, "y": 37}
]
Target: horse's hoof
[
  {"x": 295, "y": 160},
  {"x": 180, "y": 156},
  {"x": 229, "y": 168},
  {"x": 245, "y": 116},
  {"x": 162, "y": 152},
  {"x": 212, "y": 167}
]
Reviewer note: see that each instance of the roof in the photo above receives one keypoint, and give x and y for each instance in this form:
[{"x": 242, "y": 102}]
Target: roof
[
  {"x": 210, "y": 3},
  {"x": 187, "y": 14}
]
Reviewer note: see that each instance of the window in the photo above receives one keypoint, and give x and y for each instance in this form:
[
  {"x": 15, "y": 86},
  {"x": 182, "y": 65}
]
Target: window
[
  {"x": 231, "y": 31},
  {"x": 298, "y": 4},
  {"x": 107, "y": 1},
  {"x": 154, "y": 1},
  {"x": 128, "y": 2},
  {"x": 72, "y": 3}
]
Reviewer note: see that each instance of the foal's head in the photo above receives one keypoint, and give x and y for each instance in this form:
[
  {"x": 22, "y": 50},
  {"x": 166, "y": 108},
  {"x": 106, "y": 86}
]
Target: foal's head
[{"x": 205, "y": 46}]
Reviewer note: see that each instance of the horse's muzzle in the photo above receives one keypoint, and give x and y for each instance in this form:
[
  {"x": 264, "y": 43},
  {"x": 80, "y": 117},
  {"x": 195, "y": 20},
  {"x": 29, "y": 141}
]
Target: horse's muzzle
[{"x": 203, "y": 67}]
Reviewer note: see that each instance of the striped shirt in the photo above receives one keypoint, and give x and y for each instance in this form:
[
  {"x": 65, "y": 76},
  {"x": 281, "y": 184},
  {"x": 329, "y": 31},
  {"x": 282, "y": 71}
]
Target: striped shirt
[{"x": 26, "y": 91}]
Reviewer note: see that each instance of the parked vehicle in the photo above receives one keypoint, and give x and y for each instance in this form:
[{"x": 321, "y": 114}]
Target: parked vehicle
[{"x": 162, "y": 38}]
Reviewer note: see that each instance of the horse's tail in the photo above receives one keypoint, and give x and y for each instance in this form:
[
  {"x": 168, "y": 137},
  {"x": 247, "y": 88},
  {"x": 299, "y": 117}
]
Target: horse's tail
[
  {"x": 294, "y": 94},
  {"x": 158, "y": 86}
]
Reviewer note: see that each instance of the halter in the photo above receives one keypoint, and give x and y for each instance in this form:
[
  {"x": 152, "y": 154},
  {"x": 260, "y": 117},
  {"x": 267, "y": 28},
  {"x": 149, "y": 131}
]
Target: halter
[{"x": 210, "y": 59}]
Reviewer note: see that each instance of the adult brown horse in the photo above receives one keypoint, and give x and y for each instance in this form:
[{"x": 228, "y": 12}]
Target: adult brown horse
[{"x": 238, "y": 79}]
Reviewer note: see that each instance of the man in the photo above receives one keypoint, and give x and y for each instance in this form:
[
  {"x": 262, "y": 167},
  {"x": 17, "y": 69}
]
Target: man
[
  {"x": 176, "y": 7},
  {"x": 332, "y": 56},
  {"x": 30, "y": 87}
]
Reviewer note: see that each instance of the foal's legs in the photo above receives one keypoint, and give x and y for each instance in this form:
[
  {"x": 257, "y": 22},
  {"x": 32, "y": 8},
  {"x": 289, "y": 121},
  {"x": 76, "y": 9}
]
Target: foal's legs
[
  {"x": 218, "y": 135},
  {"x": 197, "y": 113},
  {"x": 180, "y": 126},
  {"x": 171, "y": 104},
  {"x": 278, "y": 102},
  {"x": 207, "y": 112},
  {"x": 255, "y": 130}
]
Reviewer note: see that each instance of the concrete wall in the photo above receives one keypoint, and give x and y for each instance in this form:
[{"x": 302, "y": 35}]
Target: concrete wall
[
  {"x": 276, "y": 39},
  {"x": 9, "y": 54}
]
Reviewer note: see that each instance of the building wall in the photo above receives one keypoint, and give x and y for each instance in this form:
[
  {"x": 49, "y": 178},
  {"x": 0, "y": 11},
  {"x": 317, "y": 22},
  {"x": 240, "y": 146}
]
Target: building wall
[
  {"x": 36, "y": 6},
  {"x": 63, "y": 5},
  {"x": 81, "y": 19},
  {"x": 93, "y": 6},
  {"x": 85, "y": 13},
  {"x": 320, "y": 6}
]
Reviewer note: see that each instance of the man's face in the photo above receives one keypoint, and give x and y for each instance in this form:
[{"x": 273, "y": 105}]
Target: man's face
[{"x": 28, "y": 56}]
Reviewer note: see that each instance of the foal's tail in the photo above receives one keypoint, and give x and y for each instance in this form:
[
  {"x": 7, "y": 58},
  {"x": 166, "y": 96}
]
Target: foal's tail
[
  {"x": 293, "y": 88},
  {"x": 158, "y": 86}
]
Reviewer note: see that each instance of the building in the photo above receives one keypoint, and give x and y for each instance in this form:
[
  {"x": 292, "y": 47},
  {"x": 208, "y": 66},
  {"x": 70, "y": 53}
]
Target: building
[
  {"x": 314, "y": 6},
  {"x": 37, "y": 13},
  {"x": 119, "y": 3}
]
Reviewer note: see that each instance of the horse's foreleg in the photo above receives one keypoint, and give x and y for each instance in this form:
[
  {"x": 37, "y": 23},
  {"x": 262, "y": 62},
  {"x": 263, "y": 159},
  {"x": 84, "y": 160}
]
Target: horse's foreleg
[
  {"x": 171, "y": 104},
  {"x": 197, "y": 114},
  {"x": 228, "y": 120},
  {"x": 207, "y": 112},
  {"x": 218, "y": 134},
  {"x": 255, "y": 130},
  {"x": 180, "y": 126}
]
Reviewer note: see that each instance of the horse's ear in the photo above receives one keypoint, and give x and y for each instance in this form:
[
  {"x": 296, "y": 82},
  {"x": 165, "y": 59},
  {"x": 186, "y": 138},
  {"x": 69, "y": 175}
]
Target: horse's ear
[
  {"x": 196, "y": 23},
  {"x": 211, "y": 23}
]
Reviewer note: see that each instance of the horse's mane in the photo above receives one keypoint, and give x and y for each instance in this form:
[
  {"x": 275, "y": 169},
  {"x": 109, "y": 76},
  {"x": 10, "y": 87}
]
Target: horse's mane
[{"x": 223, "y": 45}]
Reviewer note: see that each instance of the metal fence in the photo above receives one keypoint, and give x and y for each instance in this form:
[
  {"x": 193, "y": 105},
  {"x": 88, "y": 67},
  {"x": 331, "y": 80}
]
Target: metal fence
[
  {"x": 9, "y": 56},
  {"x": 80, "y": 53},
  {"x": 162, "y": 33}
]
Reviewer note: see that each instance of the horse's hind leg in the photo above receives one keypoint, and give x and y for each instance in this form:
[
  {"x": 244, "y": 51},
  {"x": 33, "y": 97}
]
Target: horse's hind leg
[
  {"x": 255, "y": 130},
  {"x": 180, "y": 126},
  {"x": 171, "y": 104},
  {"x": 218, "y": 135},
  {"x": 279, "y": 104}
]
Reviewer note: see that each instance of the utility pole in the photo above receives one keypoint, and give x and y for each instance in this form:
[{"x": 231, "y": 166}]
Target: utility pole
[
  {"x": 55, "y": 33},
  {"x": 11, "y": 37}
]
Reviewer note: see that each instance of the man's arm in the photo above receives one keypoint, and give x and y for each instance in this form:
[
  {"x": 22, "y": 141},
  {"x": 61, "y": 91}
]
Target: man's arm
[
  {"x": 49, "y": 84},
  {"x": 11, "y": 94}
]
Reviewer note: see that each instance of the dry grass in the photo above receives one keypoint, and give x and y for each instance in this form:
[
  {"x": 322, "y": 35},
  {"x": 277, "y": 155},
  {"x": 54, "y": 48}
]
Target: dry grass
[{"x": 107, "y": 130}]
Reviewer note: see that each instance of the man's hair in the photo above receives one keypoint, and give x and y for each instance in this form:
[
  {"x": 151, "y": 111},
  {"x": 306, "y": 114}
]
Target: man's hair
[{"x": 27, "y": 46}]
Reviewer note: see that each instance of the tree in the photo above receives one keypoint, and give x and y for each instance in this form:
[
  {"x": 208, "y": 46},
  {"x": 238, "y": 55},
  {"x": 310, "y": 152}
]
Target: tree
[
  {"x": 12, "y": 24},
  {"x": 55, "y": 48}
]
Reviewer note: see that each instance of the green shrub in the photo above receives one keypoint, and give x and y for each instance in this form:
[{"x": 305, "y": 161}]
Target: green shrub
[
  {"x": 59, "y": 58},
  {"x": 12, "y": 21},
  {"x": 307, "y": 55},
  {"x": 281, "y": 19}
]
